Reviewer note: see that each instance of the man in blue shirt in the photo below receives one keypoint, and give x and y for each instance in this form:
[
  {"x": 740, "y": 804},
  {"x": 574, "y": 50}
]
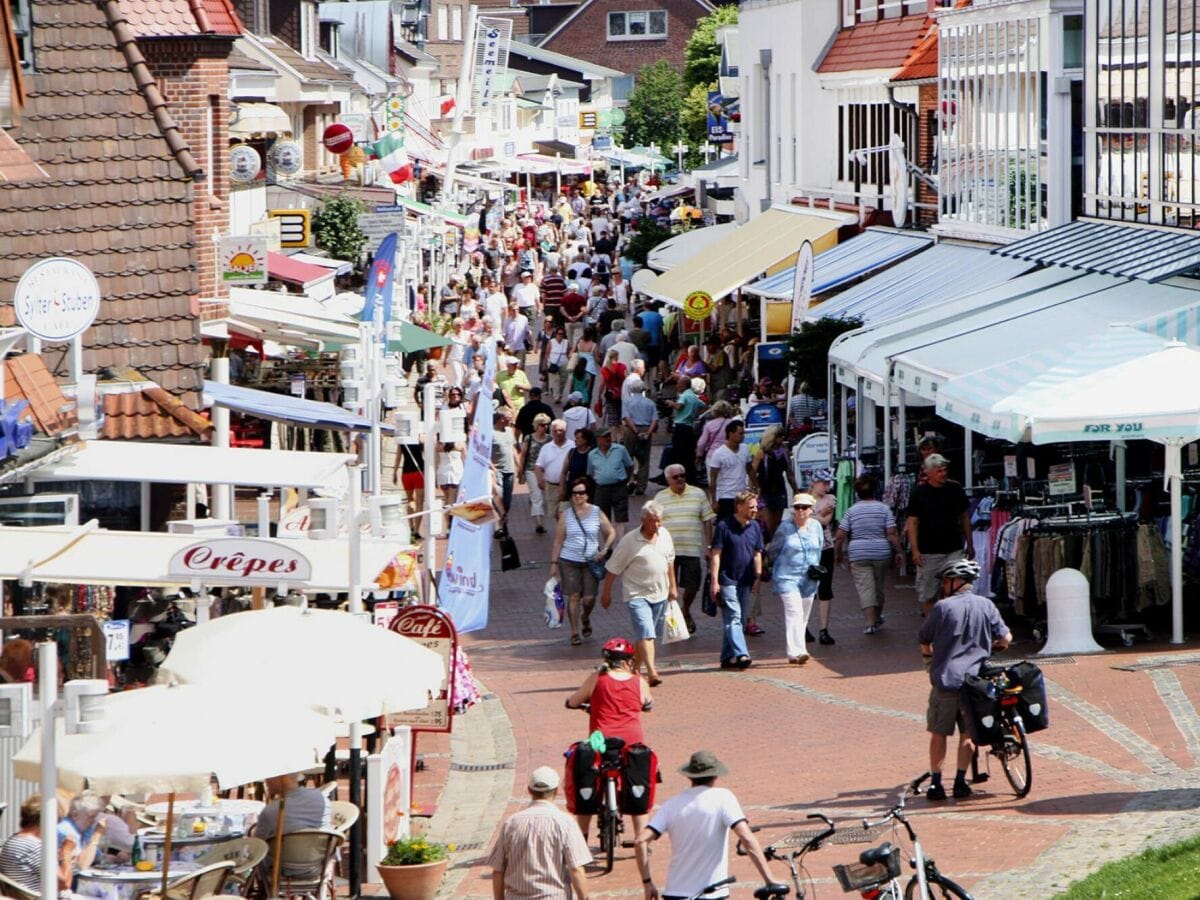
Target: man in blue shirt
[
  {"x": 652, "y": 321},
  {"x": 960, "y": 633},
  {"x": 610, "y": 466},
  {"x": 736, "y": 566}
]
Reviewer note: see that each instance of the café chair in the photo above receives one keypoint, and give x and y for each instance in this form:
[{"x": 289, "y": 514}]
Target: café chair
[
  {"x": 194, "y": 885},
  {"x": 9, "y": 888},
  {"x": 342, "y": 816},
  {"x": 307, "y": 864},
  {"x": 245, "y": 854}
]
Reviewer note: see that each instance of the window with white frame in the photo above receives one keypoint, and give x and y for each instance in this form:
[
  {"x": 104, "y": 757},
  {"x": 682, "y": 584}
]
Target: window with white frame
[
  {"x": 456, "y": 23},
  {"x": 992, "y": 123},
  {"x": 443, "y": 23},
  {"x": 1142, "y": 119},
  {"x": 637, "y": 25},
  {"x": 858, "y": 12}
]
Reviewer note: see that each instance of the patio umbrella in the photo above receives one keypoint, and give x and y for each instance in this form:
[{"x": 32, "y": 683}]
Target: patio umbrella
[
  {"x": 331, "y": 661},
  {"x": 413, "y": 339},
  {"x": 175, "y": 739}
]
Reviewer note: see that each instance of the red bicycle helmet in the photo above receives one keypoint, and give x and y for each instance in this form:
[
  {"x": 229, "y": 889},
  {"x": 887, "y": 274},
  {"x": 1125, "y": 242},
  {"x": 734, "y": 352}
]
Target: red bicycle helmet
[{"x": 618, "y": 648}]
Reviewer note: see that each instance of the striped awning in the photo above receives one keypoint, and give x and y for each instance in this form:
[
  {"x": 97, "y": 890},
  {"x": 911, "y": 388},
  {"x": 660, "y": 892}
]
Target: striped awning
[{"x": 1128, "y": 251}]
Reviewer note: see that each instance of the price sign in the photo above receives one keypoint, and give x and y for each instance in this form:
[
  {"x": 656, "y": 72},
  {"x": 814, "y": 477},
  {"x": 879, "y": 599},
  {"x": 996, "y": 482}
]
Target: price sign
[
  {"x": 116, "y": 640},
  {"x": 384, "y": 612}
]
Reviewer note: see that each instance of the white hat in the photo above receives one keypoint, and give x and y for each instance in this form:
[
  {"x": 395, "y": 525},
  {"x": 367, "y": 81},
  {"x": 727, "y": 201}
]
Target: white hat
[
  {"x": 511, "y": 361},
  {"x": 543, "y": 778}
]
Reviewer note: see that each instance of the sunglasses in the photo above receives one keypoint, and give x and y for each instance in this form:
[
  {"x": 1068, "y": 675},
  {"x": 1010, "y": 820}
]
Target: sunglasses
[
  {"x": 677, "y": 478},
  {"x": 579, "y": 493},
  {"x": 802, "y": 507}
]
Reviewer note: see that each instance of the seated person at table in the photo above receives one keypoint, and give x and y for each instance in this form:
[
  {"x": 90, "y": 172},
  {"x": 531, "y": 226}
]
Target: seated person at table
[
  {"x": 84, "y": 827},
  {"x": 21, "y": 854},
  {"x": 305, "y": 808}
]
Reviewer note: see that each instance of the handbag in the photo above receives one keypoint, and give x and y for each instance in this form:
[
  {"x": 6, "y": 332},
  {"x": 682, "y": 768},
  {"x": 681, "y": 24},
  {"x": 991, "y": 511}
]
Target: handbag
[
  {"x": 674, "y": 625},
  {"x": 597, "y": 568},
  {"x": 510, "y": 558}
]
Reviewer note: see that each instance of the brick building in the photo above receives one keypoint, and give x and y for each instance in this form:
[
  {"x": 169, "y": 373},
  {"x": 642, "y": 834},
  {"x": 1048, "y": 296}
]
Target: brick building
[
  {"x": 133, "y": 171},
  {"x": 628, "y": 34}
]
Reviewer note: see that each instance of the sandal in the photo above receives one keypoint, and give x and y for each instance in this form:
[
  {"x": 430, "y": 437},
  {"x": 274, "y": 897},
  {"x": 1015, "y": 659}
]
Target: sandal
[{"x": 576, "y": 640}]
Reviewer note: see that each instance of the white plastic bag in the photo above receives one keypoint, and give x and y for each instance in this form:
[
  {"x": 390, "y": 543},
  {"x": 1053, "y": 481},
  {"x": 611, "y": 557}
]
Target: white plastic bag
[
  {"x": 674, "y": 625},
  {"x": 554, "y": 603}
]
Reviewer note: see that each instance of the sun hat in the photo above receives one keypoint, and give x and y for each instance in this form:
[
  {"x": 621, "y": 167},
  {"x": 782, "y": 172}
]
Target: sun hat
[
  {"x": 804, "y": 500},
  {"x": 703, "y": 764},
  {"x": 543, "y": 778},
  {"x": 822, "y": 475}
]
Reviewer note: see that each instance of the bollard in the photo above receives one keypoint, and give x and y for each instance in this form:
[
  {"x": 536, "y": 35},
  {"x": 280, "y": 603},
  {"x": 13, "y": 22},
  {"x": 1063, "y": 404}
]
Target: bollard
[{"x": 1069, "y": 614}]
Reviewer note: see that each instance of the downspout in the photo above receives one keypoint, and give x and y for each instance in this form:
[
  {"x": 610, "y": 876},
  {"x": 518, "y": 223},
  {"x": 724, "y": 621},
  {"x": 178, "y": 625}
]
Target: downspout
[
  {"x": 127, "y": 43},
  {"x": 764, "y": 58}
]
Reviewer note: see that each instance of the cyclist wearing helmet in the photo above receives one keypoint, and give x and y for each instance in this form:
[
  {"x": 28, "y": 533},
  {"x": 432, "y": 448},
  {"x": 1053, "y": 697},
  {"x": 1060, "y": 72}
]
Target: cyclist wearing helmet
[
  {"x": 958, "y": 634},
  {"x": 617, "y": 697}
]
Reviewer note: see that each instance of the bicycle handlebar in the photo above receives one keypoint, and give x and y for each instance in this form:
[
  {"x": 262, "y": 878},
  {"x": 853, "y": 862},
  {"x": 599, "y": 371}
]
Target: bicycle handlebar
[{"x": 712, "y": 887}]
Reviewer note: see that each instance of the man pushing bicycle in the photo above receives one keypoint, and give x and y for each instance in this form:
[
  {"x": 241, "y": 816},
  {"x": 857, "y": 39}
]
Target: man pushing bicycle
[{"x": 960, "y": 632}]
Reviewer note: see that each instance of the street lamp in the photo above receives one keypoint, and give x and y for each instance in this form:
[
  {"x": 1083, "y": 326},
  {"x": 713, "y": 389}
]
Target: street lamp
[{"x": 680, "y": 148}]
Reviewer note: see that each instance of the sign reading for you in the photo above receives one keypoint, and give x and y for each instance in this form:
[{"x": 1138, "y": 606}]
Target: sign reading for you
[{"x": 241, "y": 561}]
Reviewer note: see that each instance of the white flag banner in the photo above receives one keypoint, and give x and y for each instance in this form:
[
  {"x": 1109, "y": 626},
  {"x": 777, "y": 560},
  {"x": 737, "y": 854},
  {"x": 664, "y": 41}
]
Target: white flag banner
[
  {"x": 492, "y": 39},
  {"x": 802, "y": 286}
]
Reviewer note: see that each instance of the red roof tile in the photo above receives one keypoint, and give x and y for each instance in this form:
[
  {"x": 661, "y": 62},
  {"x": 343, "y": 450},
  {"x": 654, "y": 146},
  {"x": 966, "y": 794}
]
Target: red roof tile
[
  {"x": 27, "y": 378},
  {"x": 222, "y": 17},
  {"x": 922, "y": 60},
  {"x": 15, "y": 164},
  {"x": 149, "y": 413},
  {"x": 876, "y": 45},
  {"x": 181, "y": 18}
]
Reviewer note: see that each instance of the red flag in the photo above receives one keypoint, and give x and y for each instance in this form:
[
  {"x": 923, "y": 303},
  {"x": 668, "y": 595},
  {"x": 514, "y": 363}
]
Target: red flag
[{"x": 448, "y": 105}]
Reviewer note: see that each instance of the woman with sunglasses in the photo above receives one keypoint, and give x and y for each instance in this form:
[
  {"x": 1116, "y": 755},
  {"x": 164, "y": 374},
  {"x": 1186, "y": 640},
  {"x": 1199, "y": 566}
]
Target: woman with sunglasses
[
  {"x": 582, "y": 539},
  {"x": 795, "y": 574}
]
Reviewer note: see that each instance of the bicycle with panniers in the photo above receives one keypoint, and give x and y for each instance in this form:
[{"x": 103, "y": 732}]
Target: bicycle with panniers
[{"x": 1008, "y": 703}]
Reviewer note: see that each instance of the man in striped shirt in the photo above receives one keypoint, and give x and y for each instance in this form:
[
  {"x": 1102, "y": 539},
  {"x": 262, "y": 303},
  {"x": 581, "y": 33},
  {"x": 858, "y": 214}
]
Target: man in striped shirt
[
  {"x": 553, "y": 287},
  {"x": 541, "y": 852},
  {"x": 688, "y": 517}
]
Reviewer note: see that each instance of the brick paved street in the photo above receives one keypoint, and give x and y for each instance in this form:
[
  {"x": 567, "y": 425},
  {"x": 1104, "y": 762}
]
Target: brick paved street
[{"x": 1116, "y": 771}]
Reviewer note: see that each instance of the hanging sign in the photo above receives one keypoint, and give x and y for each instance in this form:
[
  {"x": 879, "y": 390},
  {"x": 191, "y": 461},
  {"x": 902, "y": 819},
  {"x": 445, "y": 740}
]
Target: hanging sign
[
  {"x": 1010, "y": 466},
  {"x": 286, "y": 157},
  {"x": 1060, "y": 480},
  {"x": 698, "y": 305},
  {"x": 244, "y": 163},
  {"x": 243, "y": 259},
  {"x": 338, "y": 138},
  {"x": 491, "y": 58},
  {"x": 384, "y": 613},
  {"x": 811, "y": 453},
  {"x": 297, "y": 384},
  {"x": 722, "y": 113},
  {"x": 57, "y": 299},
  {"x": 431, "y": 628},
  {"x": 802, "y": 287},
  {"x": 898, "y": 176},
  {"x": 116, "y": 640},
  {"x": 241, "y": 561}
]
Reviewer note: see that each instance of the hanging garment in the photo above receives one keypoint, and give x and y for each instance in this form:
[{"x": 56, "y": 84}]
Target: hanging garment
[{"x": 844, "y": 481}]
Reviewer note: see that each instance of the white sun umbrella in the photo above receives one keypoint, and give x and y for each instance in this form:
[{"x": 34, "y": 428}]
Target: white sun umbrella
[
  {"x": 334, "y": 662},
  {"x": 174, "y": 739}
]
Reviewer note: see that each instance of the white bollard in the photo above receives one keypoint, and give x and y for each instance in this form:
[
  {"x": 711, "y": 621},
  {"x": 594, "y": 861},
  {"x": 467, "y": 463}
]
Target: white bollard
[{"x": 1069, "y": 615}]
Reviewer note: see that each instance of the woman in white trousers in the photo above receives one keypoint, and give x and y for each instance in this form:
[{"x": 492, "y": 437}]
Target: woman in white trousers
[{"x": 795, "y": 552}]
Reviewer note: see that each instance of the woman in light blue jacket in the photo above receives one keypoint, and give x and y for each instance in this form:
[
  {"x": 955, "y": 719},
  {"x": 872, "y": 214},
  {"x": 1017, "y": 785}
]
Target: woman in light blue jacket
[{"x": 795, "y": 550}]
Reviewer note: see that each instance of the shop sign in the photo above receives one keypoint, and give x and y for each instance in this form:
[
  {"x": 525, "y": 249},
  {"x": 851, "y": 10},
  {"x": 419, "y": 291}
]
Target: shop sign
[
  {"x": 243, "y": 259},
  {"x": 295, "y": 226},
  {"x": 57, "y": 299},
  {"x": 297, "y": 384},
  {"x": 602, "y": 142},
  {"x": 286, "y": 157},
  {"x": 272, "y": 230},
  {"x": 359, "y": 124},
  {"x": 395, "y": 113},
  {"x": 338, "y": 138},
  {"x": 389, "y": 794},
  {"x": 811, "y": 453},
  {"x": 491, "y": 58},
  {"x": 803, "y": 285},
  {"x": 722, "y": 113},
  {"x": 431, "y": 628},
  {"x": 698, "y": 305},
  {"x": 244, "y": 163},
  {"x": 15, "y": 435},
  {"x": 1010, "y": 466},
  {"x": 1060, "y": 480},
  {"x": 587, "y": 120},
  {"x": 241, "y": 561}
]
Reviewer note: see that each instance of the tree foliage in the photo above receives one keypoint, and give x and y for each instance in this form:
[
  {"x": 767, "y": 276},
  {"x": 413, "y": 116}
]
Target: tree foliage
[
  {"x": 694, "y": 121},
  {"x": 808, "y": 351},
  {"x": 653, "y": 114},
  {"x": 702, "y": 55},
  {"x": 647, "y": 238},
  {"x": 335, "y": 228}
]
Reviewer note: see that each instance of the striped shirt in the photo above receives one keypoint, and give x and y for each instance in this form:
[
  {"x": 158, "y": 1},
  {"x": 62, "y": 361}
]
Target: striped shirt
[
  {"x": 684, "y": 516},
  {"x": 536, "y": 850},
  {"x": 21, "y": 860},
  {"x": 582, "y": 538},
  {"x": 867, "y": 522}
]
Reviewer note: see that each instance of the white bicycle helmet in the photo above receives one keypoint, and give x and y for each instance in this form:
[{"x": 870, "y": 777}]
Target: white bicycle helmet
[{"x": 962, "y": 569}]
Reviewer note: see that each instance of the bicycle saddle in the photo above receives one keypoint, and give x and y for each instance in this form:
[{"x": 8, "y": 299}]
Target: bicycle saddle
[
  {"x": 876, "y": 855},
  {"x": 771, "y": 891}
]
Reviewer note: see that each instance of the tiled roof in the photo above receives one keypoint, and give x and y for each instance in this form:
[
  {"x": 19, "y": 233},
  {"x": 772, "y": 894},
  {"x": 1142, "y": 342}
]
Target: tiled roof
[
  {"x": 312, "y": 69},
  {"x": 149, "y": 413},
  {"x": 181, "y": 18},
  {"x": 114, "y": 199},
  {"x": 922, "y": 61},
  {"x": 27, "y": 378},
  {"x": 875, "y": 45},
  {"x": 239, "y": 60},
  {"x": 15, "y": 164}
]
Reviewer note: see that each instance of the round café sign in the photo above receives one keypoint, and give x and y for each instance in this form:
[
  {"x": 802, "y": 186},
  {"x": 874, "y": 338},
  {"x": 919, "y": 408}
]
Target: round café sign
[
  {"x": 241, "y": 561},
  {"x": 57, "y": 299},
  {"x": 698, "y": 305}
]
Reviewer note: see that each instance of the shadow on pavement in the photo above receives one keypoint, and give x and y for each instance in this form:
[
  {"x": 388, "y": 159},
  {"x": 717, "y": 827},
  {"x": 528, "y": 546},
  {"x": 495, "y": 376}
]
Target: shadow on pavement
[{"x": 1107, "y": 803}]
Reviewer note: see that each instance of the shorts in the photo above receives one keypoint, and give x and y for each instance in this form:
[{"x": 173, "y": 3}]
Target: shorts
[
  {"x": 646, "y": 617},
  {"x": 928, "y": 582},
  {"x": 868, "y": 581},
  {"x": 413, "y": 481},
  {"x": 576, "y": 579},
  {"x": 688, "y": 574},
  {"x": 613, "y": 500},
  {"x": 947, "y": 709}
]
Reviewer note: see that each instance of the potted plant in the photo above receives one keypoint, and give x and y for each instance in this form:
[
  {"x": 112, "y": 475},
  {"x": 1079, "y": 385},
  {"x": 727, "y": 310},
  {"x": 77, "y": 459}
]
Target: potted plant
[{"x": 413, "y": 868}]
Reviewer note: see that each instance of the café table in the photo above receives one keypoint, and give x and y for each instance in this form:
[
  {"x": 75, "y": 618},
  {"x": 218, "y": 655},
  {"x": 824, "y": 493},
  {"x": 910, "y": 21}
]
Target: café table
[{"x": 125, "y": 882}]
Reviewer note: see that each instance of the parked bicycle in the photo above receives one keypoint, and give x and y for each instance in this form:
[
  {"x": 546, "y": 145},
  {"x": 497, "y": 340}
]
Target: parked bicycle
[
  {"x": 1010, "y": 742},
  {"x": 792, "y": 848},
  {"x": 876, "y": 875}
]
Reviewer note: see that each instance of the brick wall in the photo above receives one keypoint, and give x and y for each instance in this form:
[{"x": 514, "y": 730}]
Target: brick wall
[
  {"x": 285, "y": 22},
  {"x": 586, "y": 36},
  {"x": 927, "y": 100},
  {"x": 194, "y": 76}
]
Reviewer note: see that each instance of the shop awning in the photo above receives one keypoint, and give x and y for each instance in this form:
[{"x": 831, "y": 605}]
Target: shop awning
[
  {"x": 284, "y": 407},
  {"x": 552, "y": 148},
  {"x": 767, "y": 240},
  {"x": 838, "y": 265},
  {"x": 26, "y": 547},
  {"x": 337, "y": 266},
  {"x": 1129, "y": 251},
  {"x": 294, "y": 271},
  {"x": 931, "y": 277},
  {"x": 670, "y": 190},
  {"x": 192, "y": 464},
  {"x": 259, "y": 120},
  {"x": 556, "y": 164},
  {"x": 405, "y": 337},
  {"x": 424, "y": 209},
  {"x": 97, "y": 556},
  {"x": 285, "y": 318},
  {"x": 682, "y": 247}
]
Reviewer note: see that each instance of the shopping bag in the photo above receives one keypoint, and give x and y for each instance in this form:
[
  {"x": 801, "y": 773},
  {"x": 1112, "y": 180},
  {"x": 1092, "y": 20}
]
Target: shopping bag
[
  {"x": 509, "y": 557},
  {"x": 674, "y": 626},
  {"x": 554, "y": 603}
]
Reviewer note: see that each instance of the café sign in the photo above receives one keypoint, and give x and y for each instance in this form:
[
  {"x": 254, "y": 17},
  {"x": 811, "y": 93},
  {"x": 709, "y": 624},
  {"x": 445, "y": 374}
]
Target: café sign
[
  {"x": 241, "y": 561},
  {"x": 431, "y": 628},
  {"x": 57, "y": 299}
]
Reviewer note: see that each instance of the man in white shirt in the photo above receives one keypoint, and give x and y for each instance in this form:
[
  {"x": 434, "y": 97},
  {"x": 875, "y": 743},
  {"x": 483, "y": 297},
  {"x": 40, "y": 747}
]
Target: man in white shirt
[
  {"x": 496, "y": 303},
  {"x": 551, "y": 461},
  {"x": 515, "y": 328},
  {"x": 577, "y": 415},
  {"x": 698, "y": 822},
  {"x": 527, "y": 295},
  {"x": 729, "y": 469},
  {"x": 627, "y": 352}
]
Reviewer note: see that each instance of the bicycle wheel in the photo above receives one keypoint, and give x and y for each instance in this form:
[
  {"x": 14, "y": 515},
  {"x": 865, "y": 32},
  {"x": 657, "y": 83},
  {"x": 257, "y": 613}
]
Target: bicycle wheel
[
  {"x": 1014, "y": 757},
  {"x": 608, "y": 837},
  {"x": 940, "y": 887}
]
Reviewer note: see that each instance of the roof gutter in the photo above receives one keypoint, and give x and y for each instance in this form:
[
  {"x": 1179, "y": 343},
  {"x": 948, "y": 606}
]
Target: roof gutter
[{"x": 119, "y": 25}]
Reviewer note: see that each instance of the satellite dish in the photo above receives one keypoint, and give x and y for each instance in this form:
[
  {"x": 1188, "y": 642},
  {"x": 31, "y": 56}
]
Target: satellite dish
[{"x": 898, "y": 176}]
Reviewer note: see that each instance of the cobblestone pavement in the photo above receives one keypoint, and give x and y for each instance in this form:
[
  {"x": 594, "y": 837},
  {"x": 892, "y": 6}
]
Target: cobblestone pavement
[{"x": 1118, "y": 770}]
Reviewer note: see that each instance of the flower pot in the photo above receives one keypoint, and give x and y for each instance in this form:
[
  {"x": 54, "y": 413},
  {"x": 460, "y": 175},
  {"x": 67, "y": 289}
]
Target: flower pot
[{"x": 416, "y": 882}]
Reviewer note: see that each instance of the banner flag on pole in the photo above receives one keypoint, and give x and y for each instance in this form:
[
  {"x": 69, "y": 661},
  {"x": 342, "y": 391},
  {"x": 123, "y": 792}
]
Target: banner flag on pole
[{"x": 380, "y": 279}]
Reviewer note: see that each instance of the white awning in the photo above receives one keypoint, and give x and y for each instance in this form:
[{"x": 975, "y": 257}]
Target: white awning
[
  {"x": 287, "y": 318},
  {"x": 26, "y": 547},
  {"x": 682, "y": 247},
  {"x": 259, "y": 120},
  {"x": 339, "y": 266},
  {"x": 96, "y": 556},
  {"x": 198, "y": 464}
]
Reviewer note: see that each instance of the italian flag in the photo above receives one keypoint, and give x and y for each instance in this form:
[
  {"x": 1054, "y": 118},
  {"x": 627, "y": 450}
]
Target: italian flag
[{"x": 390, "y": 152}]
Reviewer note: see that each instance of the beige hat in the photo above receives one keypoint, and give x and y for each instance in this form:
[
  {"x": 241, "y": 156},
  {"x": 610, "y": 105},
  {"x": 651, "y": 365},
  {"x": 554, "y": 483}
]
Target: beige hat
[
  {"x": 543, "y": 779},
  {"x": 804, "y": 500}
]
